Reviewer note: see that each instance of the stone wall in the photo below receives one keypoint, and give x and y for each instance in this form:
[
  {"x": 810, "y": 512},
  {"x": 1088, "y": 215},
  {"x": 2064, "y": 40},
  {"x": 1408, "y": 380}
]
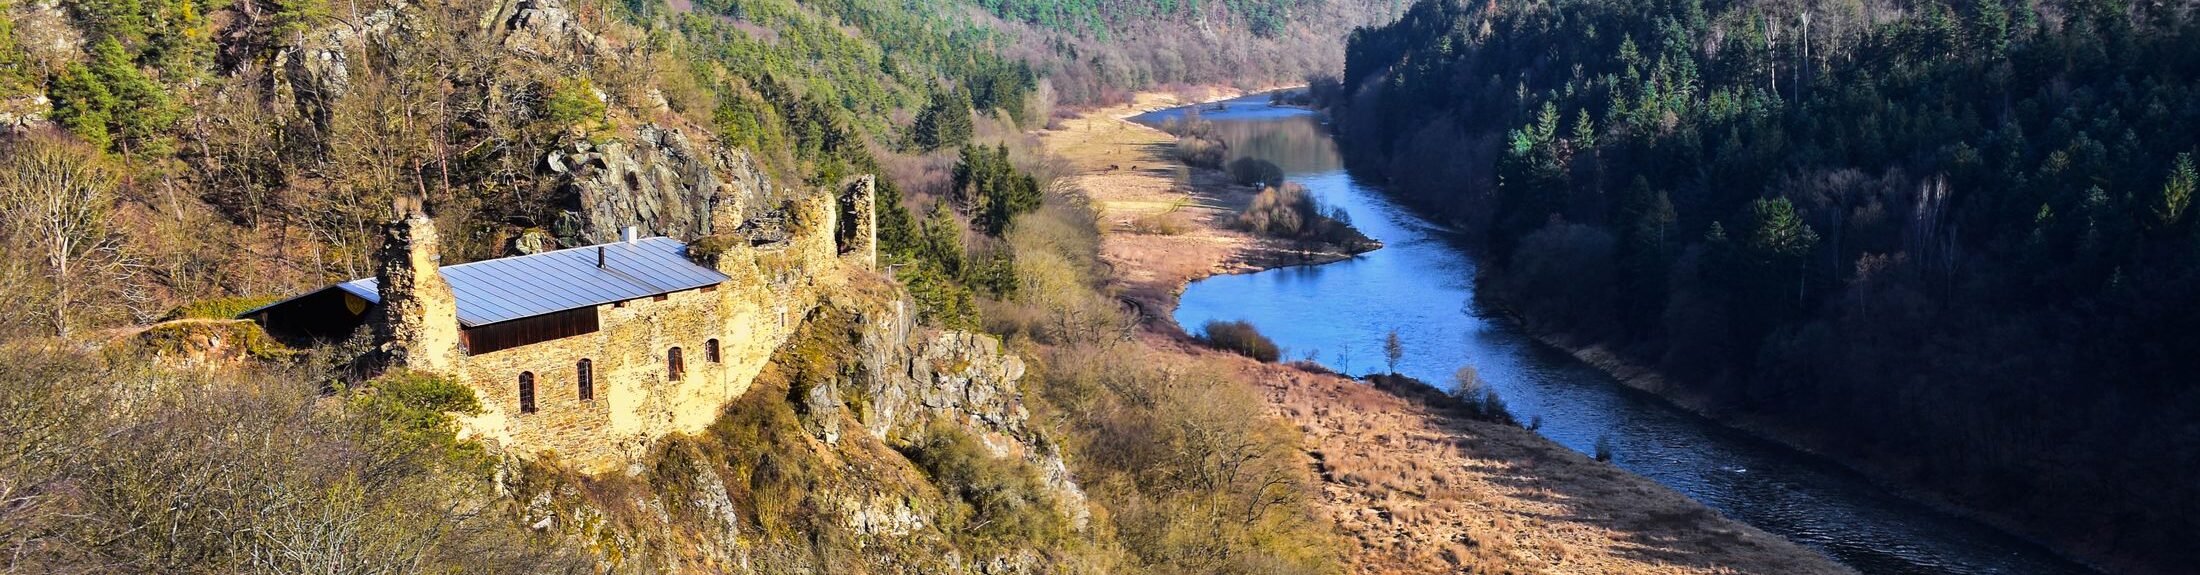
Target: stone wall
[
  {"x": 636, "y": 400},
  {"x": 418, "y": 327}
]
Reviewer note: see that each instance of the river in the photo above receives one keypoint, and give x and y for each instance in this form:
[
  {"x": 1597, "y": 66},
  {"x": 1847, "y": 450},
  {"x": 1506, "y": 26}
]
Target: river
[{"x": 1421, "y": 284}]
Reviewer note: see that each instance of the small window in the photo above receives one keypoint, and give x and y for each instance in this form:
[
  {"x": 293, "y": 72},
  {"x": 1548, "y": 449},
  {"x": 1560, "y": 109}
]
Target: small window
[
  {"x": 585, "y": 373},
  {"x": 661, "y": 297},
  {"x": 675, "y": 367},
  {"x": 710, "y": 288},
  {"x": 527, "y": 392},
  {"x": 710, "y": 350}
]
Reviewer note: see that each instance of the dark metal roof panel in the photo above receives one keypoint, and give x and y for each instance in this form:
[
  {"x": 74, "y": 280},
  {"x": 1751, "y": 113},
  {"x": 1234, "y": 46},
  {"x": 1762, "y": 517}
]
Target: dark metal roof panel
[{"x": 506, "y": 289}]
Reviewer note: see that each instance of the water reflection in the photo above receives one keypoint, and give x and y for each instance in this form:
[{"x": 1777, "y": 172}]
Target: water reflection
[
  {"x": 1421, "y": 285},
  {"x": 1296, "y": 141}
]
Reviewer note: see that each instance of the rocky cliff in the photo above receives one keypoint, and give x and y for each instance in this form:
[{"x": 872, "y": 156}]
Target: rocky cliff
[
  {"x": 817, "y": 469},
  {"x": 660, "y": 180},
  {"x": 643, "y": 165}
]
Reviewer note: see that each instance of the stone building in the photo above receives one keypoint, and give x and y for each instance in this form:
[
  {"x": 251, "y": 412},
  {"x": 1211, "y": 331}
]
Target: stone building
[{"x": 592, "y": 352}]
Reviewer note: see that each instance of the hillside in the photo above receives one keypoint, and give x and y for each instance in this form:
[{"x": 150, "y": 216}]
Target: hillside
[
  {"x": 177, "y": 164},
  {"x": 1099, "y": 52},
  {"x": 1944, "y": 241}
]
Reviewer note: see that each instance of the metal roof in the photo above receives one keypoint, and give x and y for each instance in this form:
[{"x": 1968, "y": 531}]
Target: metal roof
[{"x": 506, "y": 289}]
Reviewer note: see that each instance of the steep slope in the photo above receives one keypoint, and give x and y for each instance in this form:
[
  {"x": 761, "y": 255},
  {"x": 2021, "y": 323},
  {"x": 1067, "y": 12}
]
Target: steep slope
[
  {"x": 1942, "y": 240},
  {"x": 254, "y": 149},
  {"x": 869, "y": 445}
]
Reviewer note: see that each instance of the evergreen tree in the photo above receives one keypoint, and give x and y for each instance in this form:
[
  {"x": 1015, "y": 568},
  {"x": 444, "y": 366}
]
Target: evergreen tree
[
  {"x": 111, "y": 103},
  {"x": 82, "y": 103},
  {"x": 2177, "y": 192},
  {"x": 990, "y": 188},
  {"x": 944, "y": 123},
  {"x": 1779, "y": 241}
]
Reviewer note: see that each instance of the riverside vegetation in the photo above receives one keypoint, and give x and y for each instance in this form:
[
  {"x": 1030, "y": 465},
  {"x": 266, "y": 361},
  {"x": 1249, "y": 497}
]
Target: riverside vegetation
[{"x": 1946, "y": 240}]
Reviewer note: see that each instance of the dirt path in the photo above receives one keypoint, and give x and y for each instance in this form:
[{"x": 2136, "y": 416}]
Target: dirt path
[{"x": 1419, "y": 488}]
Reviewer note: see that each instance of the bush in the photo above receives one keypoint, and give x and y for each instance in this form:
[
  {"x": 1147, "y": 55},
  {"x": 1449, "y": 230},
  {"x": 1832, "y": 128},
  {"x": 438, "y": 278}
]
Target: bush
[
  {"x": 121, "y": 466},
  {"x": 1200, "y": 152},
  {"x": 1289, "y": 211},
  {"x": 575, "y": 102},
  {"x": 1241, "y": 338},
  {"x": 1006, "y": 499},
  {"x": 1480, "y": 401},
  {"x": 1254, "y": 171},
  {"x": 1493, "y": 409},
  {"x": 1181, "y": 454},
  {"x": 1164, "y": 223}
]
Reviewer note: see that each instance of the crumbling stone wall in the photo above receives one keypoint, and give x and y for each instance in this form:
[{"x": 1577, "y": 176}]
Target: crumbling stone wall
[
  {"x": 418, "y": 328},
  {"x": 858, "y": 229}
]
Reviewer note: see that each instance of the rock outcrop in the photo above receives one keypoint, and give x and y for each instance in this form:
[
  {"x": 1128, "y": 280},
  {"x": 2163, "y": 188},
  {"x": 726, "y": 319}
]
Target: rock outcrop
[
  {"x": 660, "y": 180},
  {"x": 908, "y": 378},
  {"x": 545, "y": 29},
  {"x": 316, "y": 71},
  {"x": 667, "y": 179}
]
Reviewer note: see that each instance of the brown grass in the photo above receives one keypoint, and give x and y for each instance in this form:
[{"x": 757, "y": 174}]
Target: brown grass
[{"x": 1422, "y": 490}]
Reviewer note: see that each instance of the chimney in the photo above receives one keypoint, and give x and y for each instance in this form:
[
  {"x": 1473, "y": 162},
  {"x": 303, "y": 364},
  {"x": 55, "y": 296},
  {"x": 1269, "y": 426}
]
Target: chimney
[
  {"x": 629, "y": 234},
  {"x": 600, "y": 257}
]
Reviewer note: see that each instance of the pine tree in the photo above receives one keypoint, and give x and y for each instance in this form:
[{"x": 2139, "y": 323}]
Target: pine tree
[
  {"x": 83, "y": 104},
  {"x": 2177, "y": 192},
  {"x": 945, "y": 122},
  {"x": 1779, "y": 240},
  {"x": 293, "y": 18}
]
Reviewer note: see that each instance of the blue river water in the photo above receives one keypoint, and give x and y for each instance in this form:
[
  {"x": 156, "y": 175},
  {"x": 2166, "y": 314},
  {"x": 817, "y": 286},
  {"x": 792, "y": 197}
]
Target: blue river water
[{"x": 1421, "y": 284}]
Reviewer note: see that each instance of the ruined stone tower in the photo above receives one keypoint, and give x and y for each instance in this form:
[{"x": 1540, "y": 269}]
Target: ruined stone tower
[
  {"x": 858, "y": 233},
  {"x": 419, "y": 324}
]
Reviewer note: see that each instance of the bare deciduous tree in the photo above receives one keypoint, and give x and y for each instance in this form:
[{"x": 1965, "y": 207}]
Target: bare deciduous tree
[{"x": 57, "y": 200}]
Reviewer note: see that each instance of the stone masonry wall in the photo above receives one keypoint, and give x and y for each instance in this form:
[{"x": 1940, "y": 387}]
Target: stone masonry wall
[
  {"x": 419, "y": 325},
  {"x": 636, "y": 401}
]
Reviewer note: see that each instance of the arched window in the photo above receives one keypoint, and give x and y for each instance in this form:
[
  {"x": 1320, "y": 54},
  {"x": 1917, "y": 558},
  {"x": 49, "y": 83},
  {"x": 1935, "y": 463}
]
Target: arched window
[
  {"x": 585, "y": 373},
  {"x": 710, "y": 350},
  {"x": 527, "y": 392},
  {"x": 675, "y": 367}
]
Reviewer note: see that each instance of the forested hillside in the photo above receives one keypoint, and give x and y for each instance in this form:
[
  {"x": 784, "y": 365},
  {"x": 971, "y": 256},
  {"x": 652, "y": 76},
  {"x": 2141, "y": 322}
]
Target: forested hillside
[
  {"x": 1951, "y": 240},
  {"x": 1100, "y": 51}
]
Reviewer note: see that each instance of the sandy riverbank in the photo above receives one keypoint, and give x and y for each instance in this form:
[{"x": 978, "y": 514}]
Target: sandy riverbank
[{"x": 1417, "y": 488}]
